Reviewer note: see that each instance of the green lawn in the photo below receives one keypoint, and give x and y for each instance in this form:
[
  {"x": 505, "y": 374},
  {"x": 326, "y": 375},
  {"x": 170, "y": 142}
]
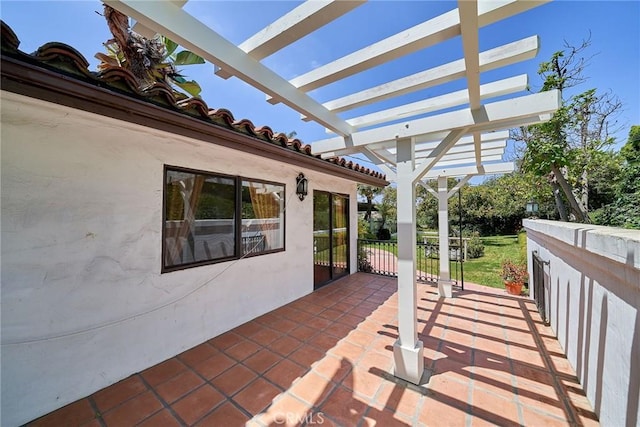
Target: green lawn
[{"x": 486, "y": 269}]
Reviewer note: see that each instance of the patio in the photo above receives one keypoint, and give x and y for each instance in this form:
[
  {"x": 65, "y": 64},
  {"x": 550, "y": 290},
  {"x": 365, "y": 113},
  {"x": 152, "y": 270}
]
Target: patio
[{"x": 326, "y": 359}]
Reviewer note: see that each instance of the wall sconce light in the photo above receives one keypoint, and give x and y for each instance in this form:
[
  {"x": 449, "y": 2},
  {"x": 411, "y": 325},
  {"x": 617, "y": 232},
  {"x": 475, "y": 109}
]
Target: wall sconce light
[{"x": 302, "y": 185}]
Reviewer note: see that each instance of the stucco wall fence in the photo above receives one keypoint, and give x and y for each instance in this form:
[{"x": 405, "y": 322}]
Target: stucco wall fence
[{"x": 592, "y": 290}]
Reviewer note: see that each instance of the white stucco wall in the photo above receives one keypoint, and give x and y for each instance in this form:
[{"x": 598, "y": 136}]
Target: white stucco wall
[
  {"x": 83, "y": 301},
  {"x": 592, "y": 286}
]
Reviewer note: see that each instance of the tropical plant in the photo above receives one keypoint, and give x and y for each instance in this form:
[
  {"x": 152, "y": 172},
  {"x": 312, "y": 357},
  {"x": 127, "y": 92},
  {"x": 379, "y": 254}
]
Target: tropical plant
[{"x": 149, "y": 60}]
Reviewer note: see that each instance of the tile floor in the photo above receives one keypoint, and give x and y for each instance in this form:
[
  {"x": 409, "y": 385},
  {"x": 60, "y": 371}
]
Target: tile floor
[{"x": 325, "y": 360}]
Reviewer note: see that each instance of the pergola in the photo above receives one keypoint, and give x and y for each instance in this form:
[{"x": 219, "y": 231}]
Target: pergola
[{"x": 458, "y": 134}]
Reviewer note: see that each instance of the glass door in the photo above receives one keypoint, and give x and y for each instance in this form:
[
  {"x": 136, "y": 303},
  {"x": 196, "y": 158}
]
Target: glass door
[
  {"x": 340, "y": 236},
  {"x": 330, "y": 237}
]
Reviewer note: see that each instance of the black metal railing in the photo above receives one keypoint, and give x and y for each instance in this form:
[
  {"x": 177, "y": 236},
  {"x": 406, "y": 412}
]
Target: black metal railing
[
  {"x": 253, "y": 244},
  {"x": 539, "y": 295},
  {"x": 380, "y": 257}
]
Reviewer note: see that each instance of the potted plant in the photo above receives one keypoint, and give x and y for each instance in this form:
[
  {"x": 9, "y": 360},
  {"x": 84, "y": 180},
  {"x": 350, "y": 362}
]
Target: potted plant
[{"x": 514, "y": 276}]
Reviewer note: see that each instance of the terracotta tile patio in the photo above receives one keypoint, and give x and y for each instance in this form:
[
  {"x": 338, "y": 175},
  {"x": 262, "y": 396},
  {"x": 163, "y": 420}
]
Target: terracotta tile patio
[{"x": 326, "y": 358}]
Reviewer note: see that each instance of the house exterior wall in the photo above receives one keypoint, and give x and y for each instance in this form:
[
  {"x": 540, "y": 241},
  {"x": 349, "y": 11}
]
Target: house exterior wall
[
  {"x": 592, "y": 286},
  {"x": 83, "y": 302}
]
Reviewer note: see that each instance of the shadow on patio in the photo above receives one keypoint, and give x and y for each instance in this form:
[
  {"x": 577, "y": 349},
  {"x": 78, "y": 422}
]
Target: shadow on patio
[{"x": 326, "y": 359}]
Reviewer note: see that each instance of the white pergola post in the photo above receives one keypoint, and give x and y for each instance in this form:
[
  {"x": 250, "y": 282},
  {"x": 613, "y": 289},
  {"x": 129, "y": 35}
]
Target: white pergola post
[
  {"x": 444, "y": 282},
  {"x": 436, "y": 136},
  {"x": 407, "y": 350}
]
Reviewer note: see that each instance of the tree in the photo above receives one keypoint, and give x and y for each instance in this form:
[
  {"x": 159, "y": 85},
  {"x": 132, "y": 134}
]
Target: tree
[
  {"x": 369, "y": 193},
  {"x": 604, "y": 172},
  {"x": 625, "y": 210},
  {"x": 563, "y": 149},
  {"x": 388, "y": 206},
  {"x": 149, "y": 60}
]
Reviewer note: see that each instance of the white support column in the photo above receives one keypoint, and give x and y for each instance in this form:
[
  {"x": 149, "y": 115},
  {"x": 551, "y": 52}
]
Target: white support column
[
  {"x": 407, "y": 350},
  {"x": 444, "y": 282}
]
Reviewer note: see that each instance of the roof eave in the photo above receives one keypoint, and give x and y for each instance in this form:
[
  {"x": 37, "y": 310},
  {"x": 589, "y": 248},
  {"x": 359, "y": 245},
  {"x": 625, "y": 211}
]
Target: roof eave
[{"x": 41, "y": 83}]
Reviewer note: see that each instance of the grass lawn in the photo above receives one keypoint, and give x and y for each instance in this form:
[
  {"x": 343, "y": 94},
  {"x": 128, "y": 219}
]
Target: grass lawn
[{"x": 486, "y": 269}]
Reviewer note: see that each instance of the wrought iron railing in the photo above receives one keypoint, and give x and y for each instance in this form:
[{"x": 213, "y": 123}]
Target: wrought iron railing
[
  {"x": 539, "y": 294},
  {"x": 380, "y": 257},
  {"x": 253, "y": 244}
]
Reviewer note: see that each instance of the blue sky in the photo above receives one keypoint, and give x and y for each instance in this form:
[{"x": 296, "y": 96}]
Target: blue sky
[{"x": 614, "y": 28}]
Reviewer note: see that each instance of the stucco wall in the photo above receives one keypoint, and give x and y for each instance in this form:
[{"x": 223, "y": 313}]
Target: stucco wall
[
  {"x": 592, "y": 286},
  {"x": 83, "y": 301}
]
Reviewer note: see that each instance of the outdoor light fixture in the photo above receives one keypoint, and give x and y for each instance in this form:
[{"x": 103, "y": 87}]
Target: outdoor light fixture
[
  {"x": 301, "y": 186},
  {"x": 532, "y": 207}
]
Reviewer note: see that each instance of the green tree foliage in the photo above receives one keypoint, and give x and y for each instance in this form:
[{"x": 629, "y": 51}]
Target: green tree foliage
[
  {"x": 497, "y": 206},
  {"x": 566, "y": 149},
  {"x": 624, "y": 211},
  {"x": 605, "y": 171},
  {"x": 369, "y": 193},
  {"x": 388, "y": 207}
]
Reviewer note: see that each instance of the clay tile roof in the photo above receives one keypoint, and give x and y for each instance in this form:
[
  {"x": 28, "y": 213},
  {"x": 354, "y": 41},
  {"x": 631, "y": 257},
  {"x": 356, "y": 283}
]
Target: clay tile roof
[
  {"x": 245, "y": 126},
  {"x": 265, "y": 133},
  {"x": 119, "y": 78},
  {"x": 194, "y": 106},
  {"x": 61, "y": 58}
]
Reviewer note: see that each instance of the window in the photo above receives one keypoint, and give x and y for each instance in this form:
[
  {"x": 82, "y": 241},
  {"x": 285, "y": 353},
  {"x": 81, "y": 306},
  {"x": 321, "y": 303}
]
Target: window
[
  {"x": 262, "y": 217},
  {"x": 211, "y": 218}
]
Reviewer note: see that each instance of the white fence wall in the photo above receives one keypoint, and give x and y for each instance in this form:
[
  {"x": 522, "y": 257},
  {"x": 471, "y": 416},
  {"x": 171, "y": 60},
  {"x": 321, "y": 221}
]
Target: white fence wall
[{"x": 592, "y": 286}]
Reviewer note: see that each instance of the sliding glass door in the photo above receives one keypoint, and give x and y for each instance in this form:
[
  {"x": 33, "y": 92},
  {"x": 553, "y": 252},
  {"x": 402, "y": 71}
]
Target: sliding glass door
[{"x": 330, "y": 237}]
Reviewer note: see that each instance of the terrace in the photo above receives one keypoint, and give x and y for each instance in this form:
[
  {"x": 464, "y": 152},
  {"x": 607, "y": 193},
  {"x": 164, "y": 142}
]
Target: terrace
[
  {"x": 88, "y": 300},
  {"x": 327, "y": 358}
]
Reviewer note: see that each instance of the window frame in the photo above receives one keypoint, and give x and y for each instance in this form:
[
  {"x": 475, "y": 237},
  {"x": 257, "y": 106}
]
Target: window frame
[
  {"x": 238, "y": 184},
  {"x": 284, "y": 222}
]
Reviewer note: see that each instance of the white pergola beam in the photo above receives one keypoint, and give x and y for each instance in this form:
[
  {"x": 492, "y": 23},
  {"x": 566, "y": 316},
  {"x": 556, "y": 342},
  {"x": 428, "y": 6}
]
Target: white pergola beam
[
  {"x": 477, "y": 144},
  {"x": 461, "y": 152},
  {"x": 467, "y": 140},
  {"x": 468, "y": 156},
  {"x": 500, "y": 56},
  {"x": 437, "y": 153},
  {"x": 419, "y": 37},
  {"x": 471, "y": 162},
  {"x": 498, "y": 115},
  {"x": 488, "y": 169},
  {"x": 490, "y": 11},
  {"x": 390, "y": 173},
  {"x": 485, "y": 137},
  {"x": 291, "y": 27},
  {"x": 468, "y": 10},
  {"x": 458, "y": 186},
  {"x": 453, "y": 99},
  {"x": 386, "y": 153},
  {"x": 149, "y": 33},
  {"x": 430, "y": 190},
  {"x": 469, "y": 149},
  {"x": 168, "y": 19}
]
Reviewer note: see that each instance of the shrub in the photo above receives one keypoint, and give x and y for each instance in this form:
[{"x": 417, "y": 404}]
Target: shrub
[
  {"x": 522, "y": 242},
  {"x": 363, "y": 261},
  {"x": 475, "y": 247}
]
